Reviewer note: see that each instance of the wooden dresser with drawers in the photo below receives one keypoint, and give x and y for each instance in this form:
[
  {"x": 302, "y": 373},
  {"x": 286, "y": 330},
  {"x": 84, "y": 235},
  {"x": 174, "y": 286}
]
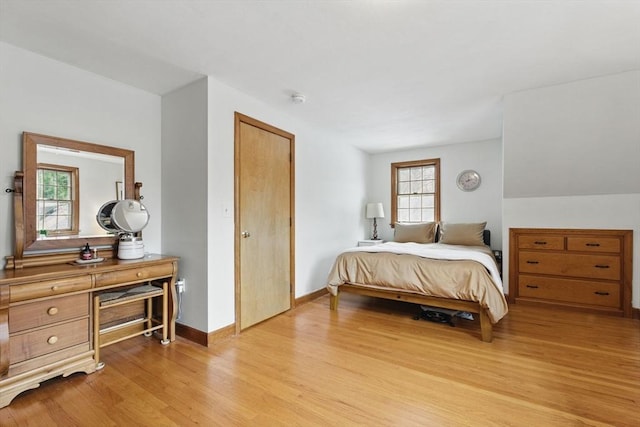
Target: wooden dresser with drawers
[
  {"x": 584, "y": 269},
  {"x": 49, "y": 326}
]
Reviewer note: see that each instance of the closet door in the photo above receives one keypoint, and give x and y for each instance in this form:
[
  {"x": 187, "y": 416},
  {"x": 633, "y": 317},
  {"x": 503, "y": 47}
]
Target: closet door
[{"x": 264, "y": 221}]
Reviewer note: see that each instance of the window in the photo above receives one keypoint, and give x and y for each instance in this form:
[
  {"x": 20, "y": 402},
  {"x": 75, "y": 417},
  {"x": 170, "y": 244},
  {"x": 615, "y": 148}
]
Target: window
[
  {"x": 415, "y": 191},
  {"x": 57, "y": 200}
]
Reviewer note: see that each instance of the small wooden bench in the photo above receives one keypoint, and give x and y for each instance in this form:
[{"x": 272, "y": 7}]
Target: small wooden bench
[{"x": 129, "y": 328}]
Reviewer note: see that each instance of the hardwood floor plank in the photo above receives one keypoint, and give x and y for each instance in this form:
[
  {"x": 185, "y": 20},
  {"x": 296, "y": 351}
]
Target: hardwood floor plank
[{"x": 370, "y": 364}]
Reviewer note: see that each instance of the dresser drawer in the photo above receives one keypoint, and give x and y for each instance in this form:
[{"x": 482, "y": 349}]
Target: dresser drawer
[
  {"x": 587, "y": 266},
  {"x": 49, "y": 288},
  {"x": 541, "y": 242},
  {"x": 43, "y": 313},
  {"x": 594, "y": 244},
  {"x": 567, "y": 290},
  {"x": 27, "y": 345},
  {"x": 134, "y": 275}
]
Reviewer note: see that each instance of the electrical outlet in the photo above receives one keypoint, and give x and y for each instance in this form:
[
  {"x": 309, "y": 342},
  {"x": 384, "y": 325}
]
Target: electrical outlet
[{"x": 181, "y": 285}]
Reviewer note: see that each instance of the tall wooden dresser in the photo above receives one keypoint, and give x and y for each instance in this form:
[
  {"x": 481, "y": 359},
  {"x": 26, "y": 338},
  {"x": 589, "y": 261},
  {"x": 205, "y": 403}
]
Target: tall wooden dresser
[{"x": 574, "y": 268}]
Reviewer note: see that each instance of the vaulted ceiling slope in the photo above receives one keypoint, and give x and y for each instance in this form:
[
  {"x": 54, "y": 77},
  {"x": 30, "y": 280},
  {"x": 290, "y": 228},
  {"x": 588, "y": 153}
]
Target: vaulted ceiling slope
[{"x": 385, "y": 74}]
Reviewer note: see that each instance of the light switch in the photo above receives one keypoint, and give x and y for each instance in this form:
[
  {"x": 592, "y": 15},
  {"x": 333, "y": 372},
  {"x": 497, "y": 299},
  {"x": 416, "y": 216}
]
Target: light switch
[{"x": 226, "y": 210}]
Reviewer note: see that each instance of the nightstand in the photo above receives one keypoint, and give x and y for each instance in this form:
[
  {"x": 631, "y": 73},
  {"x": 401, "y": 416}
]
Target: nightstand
[{"x": 369, "y": 242}]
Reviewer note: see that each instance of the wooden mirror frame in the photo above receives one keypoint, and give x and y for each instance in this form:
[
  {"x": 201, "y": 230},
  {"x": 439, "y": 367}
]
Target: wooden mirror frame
[{"x": 30, "y": 142}]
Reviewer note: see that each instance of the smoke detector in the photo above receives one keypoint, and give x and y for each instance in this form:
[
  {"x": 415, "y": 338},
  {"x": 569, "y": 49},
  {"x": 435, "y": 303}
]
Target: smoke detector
[{"x": 298, "y": 98}]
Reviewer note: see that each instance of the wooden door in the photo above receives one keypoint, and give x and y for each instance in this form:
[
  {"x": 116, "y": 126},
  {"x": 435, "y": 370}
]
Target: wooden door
[{"x": 264, "y": 221}]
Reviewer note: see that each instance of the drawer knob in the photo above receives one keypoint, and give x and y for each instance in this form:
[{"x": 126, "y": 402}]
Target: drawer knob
[
  {"x": 533, "y": 262},
  {"x": 601, "y": 266},
  {"x": 139, "y": 274},
  {"x": 54, "y": 288},
  {"x": 592, "y": 244},
  {"x": 52, "y": 339},
  {"x": 601, "y": 293},
  {"x": 532, "y": 286},
  {"x": 539, "y": 242},
  {"x": 52, "y": 311}
]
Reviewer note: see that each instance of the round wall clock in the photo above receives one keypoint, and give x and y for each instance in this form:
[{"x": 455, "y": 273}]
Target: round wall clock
[{"x": 468, "y": 180}]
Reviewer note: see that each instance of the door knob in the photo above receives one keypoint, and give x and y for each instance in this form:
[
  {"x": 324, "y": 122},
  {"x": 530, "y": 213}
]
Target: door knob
[{"x": 245, "y": 234}]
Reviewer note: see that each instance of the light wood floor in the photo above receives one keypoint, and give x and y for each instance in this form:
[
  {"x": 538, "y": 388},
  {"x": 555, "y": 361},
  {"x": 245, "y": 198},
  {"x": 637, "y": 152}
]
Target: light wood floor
[{"x": 368, "y": 364}]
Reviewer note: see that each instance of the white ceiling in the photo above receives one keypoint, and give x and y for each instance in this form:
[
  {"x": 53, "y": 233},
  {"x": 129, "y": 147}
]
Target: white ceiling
[{"x": 386, "y": 74}]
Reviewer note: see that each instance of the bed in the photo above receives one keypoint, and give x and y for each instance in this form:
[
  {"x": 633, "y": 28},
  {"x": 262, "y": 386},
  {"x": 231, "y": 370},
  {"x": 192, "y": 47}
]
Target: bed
[{"x": 443, "y": 265}]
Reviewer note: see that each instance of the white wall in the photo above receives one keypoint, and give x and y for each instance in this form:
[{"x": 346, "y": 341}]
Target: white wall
[
  {"x": 46, "y": 96},
  {"x": 483, "y": 204},
  {"x": 329, "y": 187},
  {"x": 572, "y": 157},
  {"x": 579, "y": 138},
  {"x": 184, "y": 194}
]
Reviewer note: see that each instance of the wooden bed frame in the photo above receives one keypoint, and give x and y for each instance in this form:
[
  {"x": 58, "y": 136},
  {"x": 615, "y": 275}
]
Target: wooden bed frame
[{"x": 452, "y": 304}]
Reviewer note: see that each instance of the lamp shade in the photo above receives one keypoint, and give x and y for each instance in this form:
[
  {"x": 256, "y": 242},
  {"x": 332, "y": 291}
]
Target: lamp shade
[{"x": 375, "y": 210}]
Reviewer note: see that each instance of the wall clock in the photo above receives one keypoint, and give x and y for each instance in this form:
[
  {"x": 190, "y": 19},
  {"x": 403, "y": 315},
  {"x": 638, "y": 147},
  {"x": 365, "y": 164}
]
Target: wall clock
[{"x": 468, "y": 180}]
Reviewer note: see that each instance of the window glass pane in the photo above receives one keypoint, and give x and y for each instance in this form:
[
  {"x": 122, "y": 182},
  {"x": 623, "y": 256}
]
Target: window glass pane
[
  {"x": 415, "y": 215},
  {"x": 427, "y": 201},
  {"x": 415, "y": 201},
  {"x": 403, "y": 202},
  {"x": 404, "y": 188},
  {"x": 403, "y": 174},
  {"x": 64, "y": 193},
  {"x": 428, "y": 186},
  {"x": 428, "y": 172},
  {"x": 416, "y": 187},
  {"x": 416, "y": 174},
  {"x": 50, "y": 208},
  {"x": 49, "y": 192},
  {"x": 428, "y": 215},
  {"x": 49, "y": 177},
  {"x": 64, "y": 222},
  {"x": 403, "y": 215},
  {"x": 62, "y": 179},
  {"x": 50, "y": 223},
  {"x": 64, "y": 208}
]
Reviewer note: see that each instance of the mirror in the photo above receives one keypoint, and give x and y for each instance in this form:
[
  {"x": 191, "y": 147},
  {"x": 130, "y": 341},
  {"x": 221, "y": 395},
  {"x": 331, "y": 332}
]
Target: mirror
[
  {"x": 59, "y": 213},
  {"x": 130, "y": 216},
  {"x": 126, "y": 217}
]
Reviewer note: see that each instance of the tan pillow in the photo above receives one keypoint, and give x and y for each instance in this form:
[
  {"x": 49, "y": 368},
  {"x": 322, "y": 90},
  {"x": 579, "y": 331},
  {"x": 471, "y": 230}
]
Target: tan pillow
[
  {"x": 424, "y": 232},
  {"x": 462, "y": 234}
]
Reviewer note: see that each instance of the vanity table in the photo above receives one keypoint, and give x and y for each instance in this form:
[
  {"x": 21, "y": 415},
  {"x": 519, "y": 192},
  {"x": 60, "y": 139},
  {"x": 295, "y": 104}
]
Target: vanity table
[
  {"x": 56, "y": 312},
  {"x": 51, "y": 317}
]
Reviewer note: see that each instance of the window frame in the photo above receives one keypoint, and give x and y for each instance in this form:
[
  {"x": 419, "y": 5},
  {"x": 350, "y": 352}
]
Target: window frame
[
  {"x": 75, "y": 198},
  {"x": 395, "y": 167}
]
